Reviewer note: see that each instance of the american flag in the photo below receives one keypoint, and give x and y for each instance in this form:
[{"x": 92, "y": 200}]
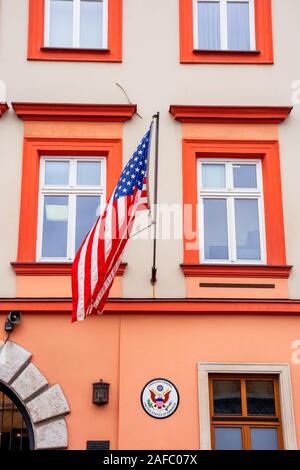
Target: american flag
[{"x": 99, "y": 257}]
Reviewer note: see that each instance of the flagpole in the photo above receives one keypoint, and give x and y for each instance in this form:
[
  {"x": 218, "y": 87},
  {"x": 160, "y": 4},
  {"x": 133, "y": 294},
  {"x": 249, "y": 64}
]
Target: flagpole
[{"x": 154, "y": 268}]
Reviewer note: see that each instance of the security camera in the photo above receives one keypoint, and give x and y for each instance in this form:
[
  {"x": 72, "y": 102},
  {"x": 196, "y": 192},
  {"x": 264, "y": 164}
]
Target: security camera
[{"x": 14, "y": 317}]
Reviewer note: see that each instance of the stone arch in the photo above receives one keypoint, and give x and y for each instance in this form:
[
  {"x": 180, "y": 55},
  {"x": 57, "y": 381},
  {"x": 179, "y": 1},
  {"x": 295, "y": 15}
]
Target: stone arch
[{"x": 45, "y": 404}]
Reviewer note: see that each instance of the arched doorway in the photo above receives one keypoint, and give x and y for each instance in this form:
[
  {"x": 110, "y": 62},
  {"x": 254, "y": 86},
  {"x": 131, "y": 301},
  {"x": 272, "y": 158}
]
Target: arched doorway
[
  {"x": 33, "y": 408},
  {"x": 16, "y": 431}
]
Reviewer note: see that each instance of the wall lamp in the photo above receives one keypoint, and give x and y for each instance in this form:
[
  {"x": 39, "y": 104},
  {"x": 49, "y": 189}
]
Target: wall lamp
[{"x": 100, "y": 393}]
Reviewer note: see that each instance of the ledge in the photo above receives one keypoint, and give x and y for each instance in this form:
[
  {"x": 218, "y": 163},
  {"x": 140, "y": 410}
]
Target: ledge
[
  {"x": 230, "y": 114},
  {"x": 51, "y": 269},
  {"x": 3, "y": 108},
  {"x": 221, "y": 270},
  {"x": 152, "y": 307},
  {"x": 226, "y": 52},
  {"x": 69, "y": 50},
  {"x": 74, "y": 112}
]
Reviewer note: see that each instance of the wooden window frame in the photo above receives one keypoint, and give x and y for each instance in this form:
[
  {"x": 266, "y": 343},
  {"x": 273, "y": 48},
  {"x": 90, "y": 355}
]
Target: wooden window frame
[
  {"x": 37, "y": 32},
  {"x": 244, "y": 421},
  {"x": 72, "y": 192},
  {"x": 205, "y": 369},
  {"x": 263, "y": 53},
  {"x": 230, "y": 195}
]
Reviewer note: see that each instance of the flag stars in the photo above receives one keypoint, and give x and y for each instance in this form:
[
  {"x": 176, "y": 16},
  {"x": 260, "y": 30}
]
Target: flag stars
[{"x": 133, "y": 175}]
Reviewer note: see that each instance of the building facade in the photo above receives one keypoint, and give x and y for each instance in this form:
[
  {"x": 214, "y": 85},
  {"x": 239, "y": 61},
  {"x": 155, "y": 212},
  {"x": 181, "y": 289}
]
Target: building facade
[{"x": 80, "y": 81}]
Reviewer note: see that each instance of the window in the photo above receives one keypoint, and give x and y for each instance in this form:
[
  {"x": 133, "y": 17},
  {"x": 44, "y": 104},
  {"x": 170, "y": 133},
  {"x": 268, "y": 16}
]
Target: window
[
  {"x": 256, "y": 397},
  {"x": 245, "y": 412},
  {"x": 75, "y": 30},
  {"x": 76, "y": 23},
  {"x": 72, "y": 192},
  {"x": 15, "y": 429},
  {"x": 231, "y": 211},
  {"x": 226, "y": 31},
  {"x": 224, "y": 25}
]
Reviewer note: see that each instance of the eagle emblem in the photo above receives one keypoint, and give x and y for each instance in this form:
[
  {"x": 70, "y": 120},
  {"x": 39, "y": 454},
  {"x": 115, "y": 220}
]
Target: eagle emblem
[{"x": 159, "y": 397}]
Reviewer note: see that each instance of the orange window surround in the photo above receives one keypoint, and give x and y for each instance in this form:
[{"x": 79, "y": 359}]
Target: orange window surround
[
  {"x": 267, "y": 151},
  {"x": 263, "y": 32},
  {"x": 37, "y": 51},
  {"x": 35, "y": 147},
  {"x": 3, "y": 108}
]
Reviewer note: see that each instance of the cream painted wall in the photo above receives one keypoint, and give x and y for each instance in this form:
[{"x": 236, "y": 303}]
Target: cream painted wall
[{"x": 154, "y": 79}]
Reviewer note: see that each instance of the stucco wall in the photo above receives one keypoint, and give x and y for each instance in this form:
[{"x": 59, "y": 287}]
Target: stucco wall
[
  {"x": 154, "y": 79},
  {"x": 127, "y": 352}
]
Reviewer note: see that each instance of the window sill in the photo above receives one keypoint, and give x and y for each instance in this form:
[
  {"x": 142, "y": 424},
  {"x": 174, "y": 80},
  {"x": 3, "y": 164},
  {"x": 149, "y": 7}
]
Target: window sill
[
  {"x": 229, "y": 51},
  {"x": 51, "y": 269},
  {"x": 221, "y": 270},
  {"x": 76, "y": 50}
]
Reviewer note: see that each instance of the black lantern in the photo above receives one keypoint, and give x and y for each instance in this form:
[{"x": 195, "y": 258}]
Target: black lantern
[{"x": 100, "y": 393}]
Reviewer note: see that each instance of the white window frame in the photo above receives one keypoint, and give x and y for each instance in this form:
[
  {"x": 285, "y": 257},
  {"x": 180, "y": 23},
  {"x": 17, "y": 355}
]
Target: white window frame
[
  {"x": 72, "y": 191},
  {"x": 224, "y": 23},
  {"x": 285, "y": 387},
  {"x": 230, "y": 194},
  {"x": 76, "y": 25}
]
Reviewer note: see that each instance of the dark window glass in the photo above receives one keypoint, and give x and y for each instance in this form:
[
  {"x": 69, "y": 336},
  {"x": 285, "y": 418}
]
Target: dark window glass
[
  {"x": 13, "y": 430},
  {"x": 260, "y": 397},
  {"x": 227, "y": 397}
]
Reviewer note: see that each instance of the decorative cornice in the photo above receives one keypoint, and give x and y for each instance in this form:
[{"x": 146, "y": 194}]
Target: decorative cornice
[
  {"x": 230, "y": 114},
  {"x": 159, "y": 306},
  {"x": 251, "y": 271},
  {"x": 3, "y": 108},
  {"x": 51, "y": 269},
  {"x": 74, "y": 112}
]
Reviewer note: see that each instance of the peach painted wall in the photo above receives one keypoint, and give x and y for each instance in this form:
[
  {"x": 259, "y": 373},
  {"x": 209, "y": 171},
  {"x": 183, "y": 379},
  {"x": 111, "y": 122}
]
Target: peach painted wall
[
  {"x": 128, "y": 351},
  {"x": 55, "y": 286}
]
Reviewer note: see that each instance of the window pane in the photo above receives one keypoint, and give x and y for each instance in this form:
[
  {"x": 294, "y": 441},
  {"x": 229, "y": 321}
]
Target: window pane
[
  {"x": 213, "y": 176},
  {"x": 244, "y": 176},
  {"x": 228, "y": 439},
  {"x": 247, "y": 229},
  {"x": 55, "y": 229},
  {"x": 238, "y": 20},
  {"x": 260, "y": 397},
  {"x": 57, "y": 173},
  {"x": 87, "y": 211},
  {"x": 264, "y": 439},
  {"x": 89, "y": 173},
  {"x": 227, "y": 397},
  {"x": 61, "y": 23},
  {"x": 91, "y": 23},
  {"x": 215, "y": 229},
  {"x": 209, "y": 25}
]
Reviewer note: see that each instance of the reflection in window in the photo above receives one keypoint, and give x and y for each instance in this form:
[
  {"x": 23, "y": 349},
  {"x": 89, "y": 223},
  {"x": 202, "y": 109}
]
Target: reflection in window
[
  {"x": 227, "y": 397},
  {"x": 71, "y": 192},
  {"x": 14, "y": 434},
  {"x": 76, "y": 24},
  {"x": 228, "y": 438},
  {"x": 245, "y": 412},
  {"x": 224, "y": 25},
  {"x": 260, "y": 397},
  {"x": 231, "y": 221}
]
